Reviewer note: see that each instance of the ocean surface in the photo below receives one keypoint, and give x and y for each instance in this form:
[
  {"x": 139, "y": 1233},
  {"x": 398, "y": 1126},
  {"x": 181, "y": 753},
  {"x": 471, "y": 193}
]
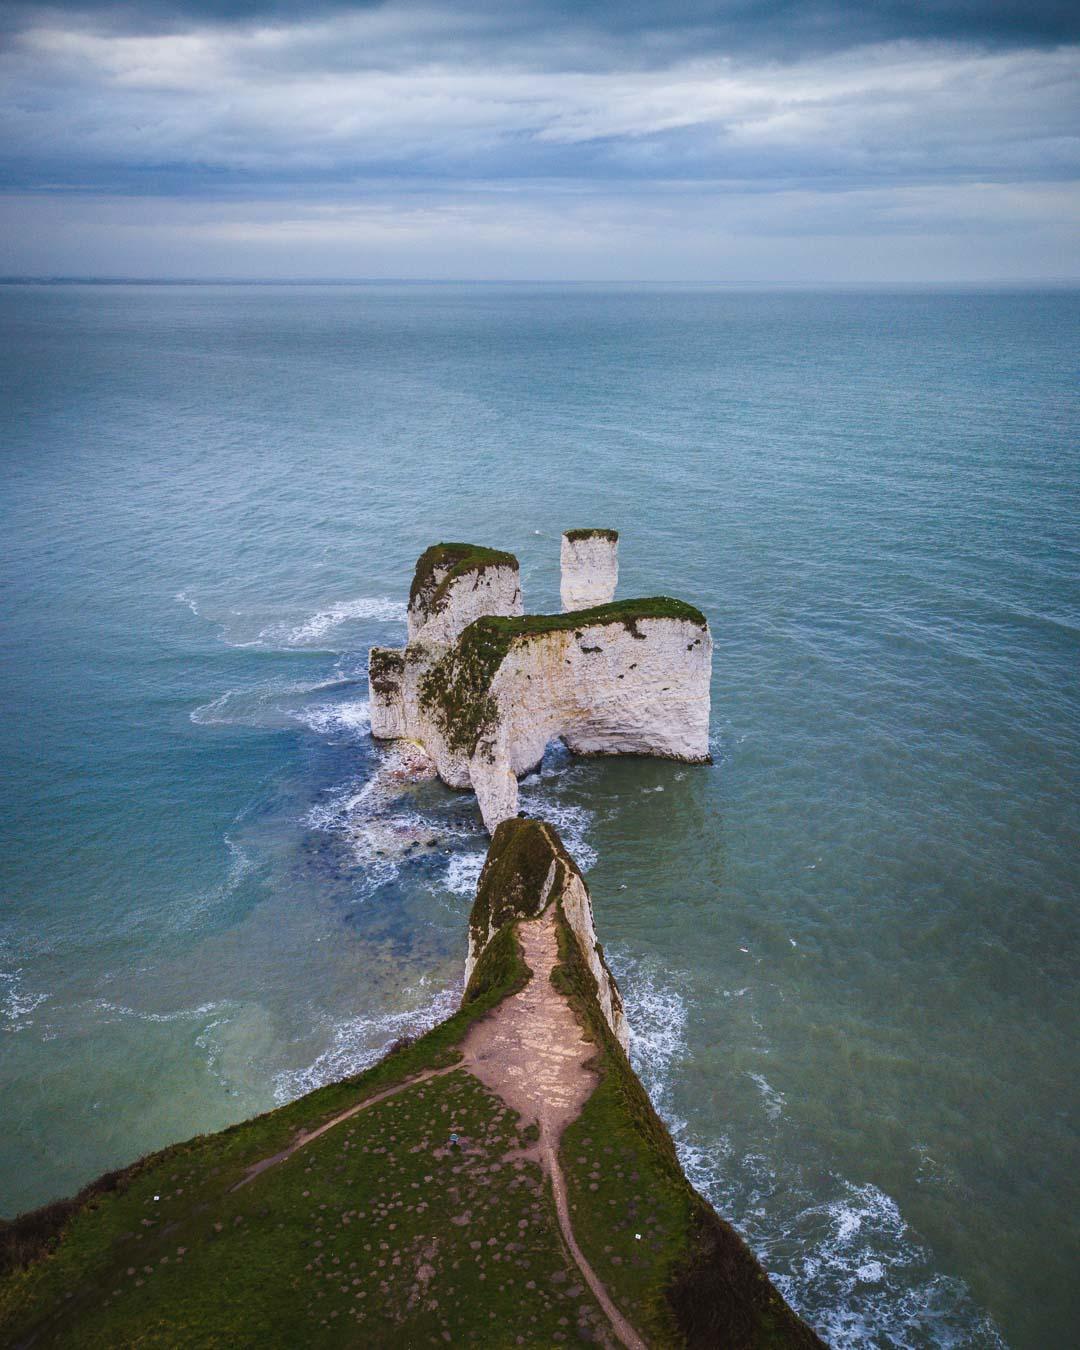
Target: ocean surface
[{"x": 848, "y": 947}]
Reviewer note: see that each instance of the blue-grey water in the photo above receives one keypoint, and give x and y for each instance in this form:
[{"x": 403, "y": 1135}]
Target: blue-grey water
[{"x": 849, "y": 946}]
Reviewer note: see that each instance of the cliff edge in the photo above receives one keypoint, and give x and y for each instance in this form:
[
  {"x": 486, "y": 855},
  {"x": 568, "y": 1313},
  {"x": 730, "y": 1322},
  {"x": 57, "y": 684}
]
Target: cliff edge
[{"x": 501, "y": 1181}]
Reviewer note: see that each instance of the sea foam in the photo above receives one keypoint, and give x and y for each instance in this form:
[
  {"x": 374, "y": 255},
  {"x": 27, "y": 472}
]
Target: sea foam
[
  {"x": 359, "y": 1041},
  {"x": 849, "y": 1263}
]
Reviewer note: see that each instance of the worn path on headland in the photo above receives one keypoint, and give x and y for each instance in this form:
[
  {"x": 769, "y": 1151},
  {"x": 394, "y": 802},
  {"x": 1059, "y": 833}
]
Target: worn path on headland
[
  {"x": 532, "y": 1053},
  {"x": 529, "y": 1051}
]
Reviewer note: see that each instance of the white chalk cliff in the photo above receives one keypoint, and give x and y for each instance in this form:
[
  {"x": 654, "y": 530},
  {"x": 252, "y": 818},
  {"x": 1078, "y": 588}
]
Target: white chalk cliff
[
  {"x": 589, "y": 564},
  {"x": 484, "y": 693},
  {"x": 527, "y": 869}
]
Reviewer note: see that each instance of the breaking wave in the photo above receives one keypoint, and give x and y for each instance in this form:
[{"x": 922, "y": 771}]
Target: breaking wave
[
  {"x": 463, "y": 873},
  {"x": 316, "y": 627},
  {"x": 16, "y": 1004},
  {"x": 335, "y": 719},
  {"x": 360, "y": 1041},
  {"x": 113, "y": 1012},
  {"x": 847, "y": 1261},
  {"x": 272, "y": 703}
]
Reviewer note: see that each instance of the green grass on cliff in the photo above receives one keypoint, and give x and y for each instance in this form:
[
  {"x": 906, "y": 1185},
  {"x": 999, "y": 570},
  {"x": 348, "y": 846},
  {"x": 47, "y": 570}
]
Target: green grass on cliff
[
  {"x": 575, "y": 536},
  {"x": 428, "y": 590},
  {"x": 457, "y": 689},
  {"x": 383, "y": 1232},
  {"x": 63, "y": 1264},
  {"x": 689, "y": 1279},
  {"x": 379, "y": 1233}
]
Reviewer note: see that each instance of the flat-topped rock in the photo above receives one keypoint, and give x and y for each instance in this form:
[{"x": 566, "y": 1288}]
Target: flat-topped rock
[{"x": 589, "y": 561}]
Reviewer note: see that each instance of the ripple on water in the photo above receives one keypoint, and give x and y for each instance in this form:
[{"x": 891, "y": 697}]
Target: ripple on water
[
  {"x": 359, "y": 1041},
  {"x": 848, "y": 1263}
]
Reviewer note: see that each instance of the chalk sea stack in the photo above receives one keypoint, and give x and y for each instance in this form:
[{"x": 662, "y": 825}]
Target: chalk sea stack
[
  {"x": 503, "y": 1180},
  {"x": 483, "y": 687}
]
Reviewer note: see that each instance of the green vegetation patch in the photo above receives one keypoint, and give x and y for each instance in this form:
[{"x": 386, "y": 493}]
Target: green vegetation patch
[
  {"x": 511, "y": 887},
  {"x": 576, "y": 535},
  {"x": 386, "y": 666},
  {"x": 65, "y": 1251},
  {"x": 442, "y": 564},
  {"x": 457, "y": 689},
  {"x": 383, "y": 1232},
  {"x": 681, "y": 1274}
]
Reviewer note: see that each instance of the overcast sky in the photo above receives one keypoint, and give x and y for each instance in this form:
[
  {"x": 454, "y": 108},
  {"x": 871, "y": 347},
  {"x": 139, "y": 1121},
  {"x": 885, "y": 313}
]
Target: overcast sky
[{"x": 804, "y": 141}]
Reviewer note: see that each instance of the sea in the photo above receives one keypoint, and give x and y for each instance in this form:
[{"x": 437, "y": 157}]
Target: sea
[{"x": 848, "y": 947}]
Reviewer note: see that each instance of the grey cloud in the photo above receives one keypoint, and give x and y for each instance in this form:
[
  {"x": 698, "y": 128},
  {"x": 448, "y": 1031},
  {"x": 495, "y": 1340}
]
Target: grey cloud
[
  {"x": 248, "y": 110},
  {"x": 389, "y": 139}
]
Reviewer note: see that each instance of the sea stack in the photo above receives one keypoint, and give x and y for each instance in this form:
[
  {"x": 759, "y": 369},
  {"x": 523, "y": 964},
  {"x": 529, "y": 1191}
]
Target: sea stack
[
  {"x": 589, "y": 562},
  {"x": 484, "y": 688}
]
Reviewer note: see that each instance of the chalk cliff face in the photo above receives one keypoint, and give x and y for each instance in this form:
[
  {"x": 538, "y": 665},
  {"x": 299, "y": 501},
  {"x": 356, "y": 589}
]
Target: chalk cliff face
[
  {"x": 590, "y": 568},
  {"x": 457, "y": 583},
  {"x": 610, "y": 683},
  {"x": 527, "y": 869},
  {"x": 386, "y": 674},
  {"x": 628, "y": 677}
]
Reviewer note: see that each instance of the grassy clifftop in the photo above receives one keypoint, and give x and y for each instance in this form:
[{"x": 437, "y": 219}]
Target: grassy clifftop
[
  {"x": 442, "y": 564},
  {"x": 410, "y": 1205},
  {"x": 457, "y": 689}
]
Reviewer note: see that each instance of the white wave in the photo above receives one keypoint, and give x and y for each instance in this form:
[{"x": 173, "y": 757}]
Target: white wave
[
  {"x": 774, "y": 1099},
  {"x": 463, "y": 873},
  {"x": 212, "y": 1049},
  {"x": 182, "y": 598},
  {"x": 116, "y": 1011},
  {"x": 332, "y": 719},
  {"x": 856, "y": 1269},
  {"x": 656, "y": 1012},
  {"x": 16, "y": 1005},
  {"x": 213, "y": 713},
  {"x": 264, "y": 704},
  {"x": 240, "y": 864},
  {"x": 334, "y": 813},
  {"x": 572, "y": 822},
  {"x": 359, "y": 1042},
  {"x": 379, "y": 608},
  {"x": 848, "y": 1263}
]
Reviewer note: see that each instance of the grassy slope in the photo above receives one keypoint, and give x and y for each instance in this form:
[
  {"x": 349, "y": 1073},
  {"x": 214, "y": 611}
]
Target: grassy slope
[
  {"x": 208, "y": 1298},
  {"x": 378, "y": 1233},
  {"x": 689, "y": 1279}
]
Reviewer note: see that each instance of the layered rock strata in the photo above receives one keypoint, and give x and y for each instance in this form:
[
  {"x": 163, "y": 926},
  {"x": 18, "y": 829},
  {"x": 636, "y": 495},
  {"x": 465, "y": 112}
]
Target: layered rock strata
[{"x": 485, "y": 695}]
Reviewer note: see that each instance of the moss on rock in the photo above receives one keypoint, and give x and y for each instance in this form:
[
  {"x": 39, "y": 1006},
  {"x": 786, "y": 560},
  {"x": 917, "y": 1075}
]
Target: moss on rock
[
  {"x": 514, "y": 882},
  {"x": 457, "y": 690},
  {"x": 575, "y": 536},
  {"x": 386, "y": 665},
  {"x": 442, "y": 564}
]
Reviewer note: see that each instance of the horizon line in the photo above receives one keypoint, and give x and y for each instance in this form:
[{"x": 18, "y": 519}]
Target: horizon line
[{"x": 62, "y": 279}]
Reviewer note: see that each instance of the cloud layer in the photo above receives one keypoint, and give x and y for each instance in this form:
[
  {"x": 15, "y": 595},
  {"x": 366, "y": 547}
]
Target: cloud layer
[{"x": 360, "y": 141}]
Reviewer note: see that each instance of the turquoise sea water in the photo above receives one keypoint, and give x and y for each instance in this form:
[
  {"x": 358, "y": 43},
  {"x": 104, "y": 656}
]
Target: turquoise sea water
[{"x": 849, "y": 947}]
